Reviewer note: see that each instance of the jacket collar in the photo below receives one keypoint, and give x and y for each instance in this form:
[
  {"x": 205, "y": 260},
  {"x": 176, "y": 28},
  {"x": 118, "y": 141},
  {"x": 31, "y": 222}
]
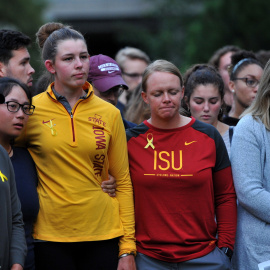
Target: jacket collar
[{"x": 86, "y": 87}]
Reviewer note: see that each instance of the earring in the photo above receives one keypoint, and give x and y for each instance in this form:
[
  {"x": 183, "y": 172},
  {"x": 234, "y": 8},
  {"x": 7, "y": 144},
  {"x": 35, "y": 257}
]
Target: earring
[
  {"x": 232, "y": 91},
  {"x": 220, "y": 111}
]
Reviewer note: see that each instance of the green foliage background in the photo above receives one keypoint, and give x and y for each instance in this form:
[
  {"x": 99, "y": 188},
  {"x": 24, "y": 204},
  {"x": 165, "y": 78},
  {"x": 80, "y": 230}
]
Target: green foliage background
[
  {"x": 25, "y": 16},
  {"x": 240, "y": 22},
  {"x": 182, "y": 31},
  {"x": 189, "y": 31}
]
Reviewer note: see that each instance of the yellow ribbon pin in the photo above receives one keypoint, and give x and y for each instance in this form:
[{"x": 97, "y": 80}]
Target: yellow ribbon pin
[
  {"x": 150, "y": 141},
  {"x": 3, "y": 177},
  {"x": 53, "y": 130}
]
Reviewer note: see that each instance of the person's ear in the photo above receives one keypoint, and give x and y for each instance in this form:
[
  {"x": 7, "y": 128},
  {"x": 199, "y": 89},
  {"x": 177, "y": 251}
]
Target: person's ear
[
  {"x": 2, "y": 70},
  {"x": 50, "y": 66},
  {"x": 231, "y": 86},
  {"x": 182, "y": 92},
  {"x": 144, "y": 97}
]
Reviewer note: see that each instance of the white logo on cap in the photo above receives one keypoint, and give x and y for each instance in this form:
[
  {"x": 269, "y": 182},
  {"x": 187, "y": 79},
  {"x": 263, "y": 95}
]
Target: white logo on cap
[{"x": 110, "y": 67}]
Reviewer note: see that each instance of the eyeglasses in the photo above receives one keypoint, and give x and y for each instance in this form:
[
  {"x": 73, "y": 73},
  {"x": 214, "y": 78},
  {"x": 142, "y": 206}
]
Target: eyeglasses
[
  {"x": 133, "y": 75},
  {"x": 14, "y": 106},
  {"x": 116, "y": 91},
  {"x": 249, "y": 81}
]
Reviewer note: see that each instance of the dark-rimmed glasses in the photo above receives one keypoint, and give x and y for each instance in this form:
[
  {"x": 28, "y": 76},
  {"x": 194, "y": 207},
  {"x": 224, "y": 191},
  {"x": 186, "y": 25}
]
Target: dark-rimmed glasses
[
  {"x": 14, "y": 106},
  {"x": 116, "y": 91},
  {"x": 249, "y": 81}
]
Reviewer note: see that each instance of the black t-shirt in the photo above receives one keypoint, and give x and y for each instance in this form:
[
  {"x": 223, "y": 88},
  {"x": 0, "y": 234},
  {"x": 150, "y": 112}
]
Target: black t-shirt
[{"x": 230, "y": 121}]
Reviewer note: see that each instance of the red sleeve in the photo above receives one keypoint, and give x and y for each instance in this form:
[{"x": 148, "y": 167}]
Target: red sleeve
[{"x": 226, "y": 208}]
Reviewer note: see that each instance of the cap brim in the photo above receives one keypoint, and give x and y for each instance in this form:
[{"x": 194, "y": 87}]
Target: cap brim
[{"x": 107, "y": 83}]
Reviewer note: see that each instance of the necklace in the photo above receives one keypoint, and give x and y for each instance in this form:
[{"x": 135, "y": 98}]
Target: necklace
[{"x": 10, "y": 150}]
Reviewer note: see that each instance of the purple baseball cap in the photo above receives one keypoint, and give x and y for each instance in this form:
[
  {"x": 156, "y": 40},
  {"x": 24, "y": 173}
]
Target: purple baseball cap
[{"x": 104, "y": 73}]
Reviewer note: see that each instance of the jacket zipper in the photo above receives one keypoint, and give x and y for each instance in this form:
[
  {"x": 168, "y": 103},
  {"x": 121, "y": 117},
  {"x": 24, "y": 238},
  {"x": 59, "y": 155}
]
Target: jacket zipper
[
  {"x": 72, "y": 126},
  {"x": 71, "y": 115},
  {"x": 72, "y": 121}
]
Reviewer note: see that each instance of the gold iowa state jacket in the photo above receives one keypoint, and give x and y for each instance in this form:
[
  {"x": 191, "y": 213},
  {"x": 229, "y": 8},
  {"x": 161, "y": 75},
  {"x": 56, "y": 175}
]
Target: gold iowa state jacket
[{"x": 73, "y": 155}]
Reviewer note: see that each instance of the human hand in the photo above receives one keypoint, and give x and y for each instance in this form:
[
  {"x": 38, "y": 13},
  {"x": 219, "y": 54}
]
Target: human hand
[
  {"x": 16, "y": 266},
  {"x": 127, "y": 263},
  {"x": 109, "y": 186}
]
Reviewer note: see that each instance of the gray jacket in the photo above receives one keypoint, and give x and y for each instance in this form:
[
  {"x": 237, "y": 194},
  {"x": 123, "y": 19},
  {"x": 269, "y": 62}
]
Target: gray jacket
[
  {"x": 250, "y": 158},
  {"x": 12, "y": 239}
]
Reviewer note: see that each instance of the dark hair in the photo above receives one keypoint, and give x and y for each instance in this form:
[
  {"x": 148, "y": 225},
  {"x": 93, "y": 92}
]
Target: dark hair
[
  {"x": 240, "y": 60},
  {"x": 6, "y": 85},
  {"x": 2, "y": 99},
  {"x": 263, "y": 56},
  {"x": 11, "y": 40},
  {"x": 201, "y": 74},
  {"x": 43, "y": 82},
  {"x": 50, "y": 34},
  {"x": 215, "y": 59}
]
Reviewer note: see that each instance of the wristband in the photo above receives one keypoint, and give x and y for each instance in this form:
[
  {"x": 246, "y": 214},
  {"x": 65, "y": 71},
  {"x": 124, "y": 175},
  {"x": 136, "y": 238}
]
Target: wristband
[
  {"x": 228, "y": 252},
  {"x": 126, "y": 254}
]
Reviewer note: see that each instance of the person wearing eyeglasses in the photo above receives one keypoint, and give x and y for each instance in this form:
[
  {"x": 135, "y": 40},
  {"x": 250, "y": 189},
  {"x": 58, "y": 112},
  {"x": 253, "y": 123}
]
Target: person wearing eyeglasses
[
  {"x": 250, "y": 166},
  {"x": 106, "y": 78},
  {"x": 12, "y": 244},
  {"x": 15, "y": 110},
  {"x": 245, "y": 74},
  {"x": 132, "y": 62}
]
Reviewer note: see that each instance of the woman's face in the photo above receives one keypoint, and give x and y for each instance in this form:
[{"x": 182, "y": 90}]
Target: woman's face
[
  {"x": 243, "y": 94},
  {"x": 205, "y": 103},
  {"x": 163, "y": 94},
  {"x": 12, "y": 123},
  {"x": 71, "y": 65}
]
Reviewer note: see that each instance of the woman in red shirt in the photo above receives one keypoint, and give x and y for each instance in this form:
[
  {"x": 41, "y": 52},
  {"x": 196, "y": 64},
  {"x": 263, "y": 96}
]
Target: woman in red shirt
[{"x": 183, "y": 186}]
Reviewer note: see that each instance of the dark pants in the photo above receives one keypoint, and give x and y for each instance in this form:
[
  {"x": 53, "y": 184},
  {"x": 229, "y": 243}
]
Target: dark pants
[
  {"x": 215, "y": 260},
  {"x": 96, "y": 255}
]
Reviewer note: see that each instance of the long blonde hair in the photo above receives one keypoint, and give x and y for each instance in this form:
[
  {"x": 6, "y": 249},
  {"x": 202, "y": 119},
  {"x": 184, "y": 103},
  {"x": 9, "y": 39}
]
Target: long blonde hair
[{"x": 260, "y": 108}]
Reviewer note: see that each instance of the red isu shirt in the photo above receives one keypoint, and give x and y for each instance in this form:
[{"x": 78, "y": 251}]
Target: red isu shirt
[{"x": 183, "y": 191}]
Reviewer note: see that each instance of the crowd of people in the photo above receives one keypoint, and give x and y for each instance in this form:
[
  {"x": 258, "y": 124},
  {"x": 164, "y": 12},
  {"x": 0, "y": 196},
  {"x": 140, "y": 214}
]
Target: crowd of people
[{"x": 126, "y": 163}]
